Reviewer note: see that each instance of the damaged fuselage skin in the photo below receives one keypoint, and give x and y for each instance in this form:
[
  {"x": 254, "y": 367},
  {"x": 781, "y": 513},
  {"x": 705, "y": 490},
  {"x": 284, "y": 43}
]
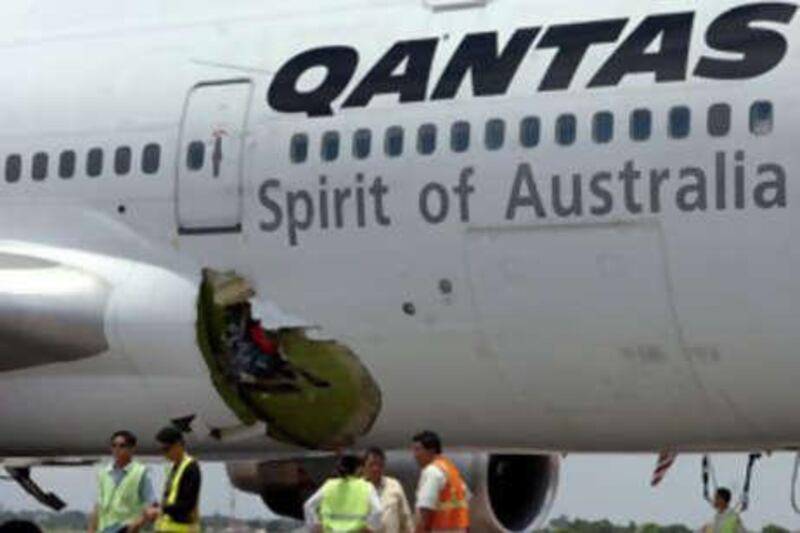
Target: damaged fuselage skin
[{"x": 525, "y": 224}]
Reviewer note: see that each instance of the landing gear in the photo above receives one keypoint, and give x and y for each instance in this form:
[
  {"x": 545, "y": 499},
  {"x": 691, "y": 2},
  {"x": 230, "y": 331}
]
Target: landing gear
[
  {"x": 22, "y": 475},
  {"x": 793, "y": 493},
  {"x": 710, "y": 476}
]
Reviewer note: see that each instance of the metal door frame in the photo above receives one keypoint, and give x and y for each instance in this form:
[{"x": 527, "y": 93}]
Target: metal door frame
[{"x": 237, "y": 228}]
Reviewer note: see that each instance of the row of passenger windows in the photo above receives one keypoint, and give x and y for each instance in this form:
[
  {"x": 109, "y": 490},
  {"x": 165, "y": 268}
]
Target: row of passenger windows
[
  {"x": 640, "y": 128},
  {"x": 94, "y": 163}
]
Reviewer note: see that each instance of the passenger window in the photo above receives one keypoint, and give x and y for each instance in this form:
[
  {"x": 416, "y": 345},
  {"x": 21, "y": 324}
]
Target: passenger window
[
  {"x": 94, "y": 162},
  {"x": 66, "y": 164},
  {"x": 196, "y": 155},
  {"x": 495, "y": 134},
  {"x": 680, "y": 122},
  {"x": 329, "y": 151},
  {"x": 393, "y": 144},
  {"x": 299, "y": 148},
  {"x": 459, "y": 136},
  {"x": 603, "y": 127},
  {"x": 426, "y": 139},
  {"x": 13, "y": 168},
  {"x": 719, "y": 120},
  {"x": 39, "y": 168},
  {"x": 761, "y": 118},
  {"x": 641, "y": 124},
  {"x": 566, "y": 129},
  {"x": 122, "y": 160},
  {"x": 529, "y": 132},
  {"x": 362, "y": 143},
  {"x": 151, "y": 158}
]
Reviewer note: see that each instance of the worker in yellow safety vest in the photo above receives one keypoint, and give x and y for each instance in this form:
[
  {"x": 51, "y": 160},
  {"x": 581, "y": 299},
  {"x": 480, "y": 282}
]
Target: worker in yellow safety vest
[
  {"x": 179, "y": 510},
  {"x": 727, "y": 520},
  {"x": 124, "y": 490},
  {"x": 346, "y": 503},
  {"x": 442, "y": 496}
]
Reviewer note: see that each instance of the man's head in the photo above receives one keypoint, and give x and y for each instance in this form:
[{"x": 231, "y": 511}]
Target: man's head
[
  {"x": 122, "y": 447},
  {"x": 426, "y": 446},
  {"x": 722, "y": 499},
  {"x": 374, "y": 464},
  {"x": 170, "y": 440},
  {"x": 348, "y": 466}
]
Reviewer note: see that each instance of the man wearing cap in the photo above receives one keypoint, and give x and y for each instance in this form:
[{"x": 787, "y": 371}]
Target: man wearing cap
[{"x": 179, "y": 511}]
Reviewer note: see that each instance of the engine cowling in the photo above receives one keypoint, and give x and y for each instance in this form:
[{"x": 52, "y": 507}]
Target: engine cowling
[{"x": 510, "y": 492}]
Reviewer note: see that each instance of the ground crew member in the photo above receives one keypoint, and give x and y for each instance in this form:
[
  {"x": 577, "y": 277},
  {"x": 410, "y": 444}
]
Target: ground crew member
[
  {"x": 442, "y": 495},
  {"x": 124, "y": 490},
  {"x": 179, "y": 511},
  {"x": 19, "y": 526},
  {"x": 396, "y": 517},
  {"x": 726, "y": 520},
  {"x": 346, "y": 503}
]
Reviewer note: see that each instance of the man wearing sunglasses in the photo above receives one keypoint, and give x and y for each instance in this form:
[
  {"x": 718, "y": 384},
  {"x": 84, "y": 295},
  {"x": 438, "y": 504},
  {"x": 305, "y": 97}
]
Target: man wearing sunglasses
[
  {"x": 179, "y": 511},
  {"x": 124, "y": 490}
]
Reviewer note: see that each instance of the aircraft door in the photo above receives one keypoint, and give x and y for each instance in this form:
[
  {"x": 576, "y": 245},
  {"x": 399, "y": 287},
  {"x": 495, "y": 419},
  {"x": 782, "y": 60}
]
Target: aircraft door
[{"x": 209, "y": 191}]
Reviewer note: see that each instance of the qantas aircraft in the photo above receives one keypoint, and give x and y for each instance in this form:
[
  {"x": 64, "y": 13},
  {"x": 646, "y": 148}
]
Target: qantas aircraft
[{"x": 532, "y": 226}]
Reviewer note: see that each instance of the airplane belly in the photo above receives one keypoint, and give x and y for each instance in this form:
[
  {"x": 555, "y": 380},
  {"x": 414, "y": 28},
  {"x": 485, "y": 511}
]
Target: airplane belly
[{"x": 656, "y": 310}]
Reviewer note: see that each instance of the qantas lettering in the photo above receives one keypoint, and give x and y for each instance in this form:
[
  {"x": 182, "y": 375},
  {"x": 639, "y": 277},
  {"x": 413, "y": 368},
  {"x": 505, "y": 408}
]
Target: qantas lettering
[{"x": 492, "y": 70}]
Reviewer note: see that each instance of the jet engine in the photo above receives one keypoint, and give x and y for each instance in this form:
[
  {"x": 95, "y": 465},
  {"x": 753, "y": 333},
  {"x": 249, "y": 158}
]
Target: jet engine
[{"x": 510, "y": 492}]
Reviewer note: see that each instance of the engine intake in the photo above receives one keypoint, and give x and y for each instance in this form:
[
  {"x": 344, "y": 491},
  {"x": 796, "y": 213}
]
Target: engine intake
[
  {"x": 521, "y": 489},
  {"x": 511, "y": 492}
]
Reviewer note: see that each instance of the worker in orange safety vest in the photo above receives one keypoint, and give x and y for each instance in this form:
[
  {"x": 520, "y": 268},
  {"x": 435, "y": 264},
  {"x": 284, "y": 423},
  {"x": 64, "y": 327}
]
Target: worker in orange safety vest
[{"x": 442, "y": 496}]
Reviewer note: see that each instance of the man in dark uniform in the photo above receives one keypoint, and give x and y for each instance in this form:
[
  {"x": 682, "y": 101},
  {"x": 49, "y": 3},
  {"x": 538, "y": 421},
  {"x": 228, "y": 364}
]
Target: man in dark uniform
[{"x": 179, "y": 510}]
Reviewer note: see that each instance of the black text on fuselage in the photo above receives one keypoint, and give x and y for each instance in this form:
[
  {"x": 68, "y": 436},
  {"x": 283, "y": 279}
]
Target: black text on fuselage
[{"x": 748, "y": 48}]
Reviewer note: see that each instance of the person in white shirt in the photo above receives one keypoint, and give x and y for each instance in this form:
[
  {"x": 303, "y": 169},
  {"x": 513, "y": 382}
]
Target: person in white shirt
[
  {"x": 397, "y": 516},
  {"x": 726, "y": 520},
  {"x": 442, "y": 496}
]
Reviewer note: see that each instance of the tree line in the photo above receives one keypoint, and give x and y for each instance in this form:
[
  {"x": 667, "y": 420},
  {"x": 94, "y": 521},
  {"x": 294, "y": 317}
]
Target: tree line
[{"x": 77, "y": 520}]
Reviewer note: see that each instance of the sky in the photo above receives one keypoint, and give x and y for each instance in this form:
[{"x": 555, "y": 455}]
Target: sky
[{"x": 591, "y": 486}]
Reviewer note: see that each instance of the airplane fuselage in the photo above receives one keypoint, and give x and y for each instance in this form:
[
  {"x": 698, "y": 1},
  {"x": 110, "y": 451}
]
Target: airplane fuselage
[{"x": 552, "y": 226}]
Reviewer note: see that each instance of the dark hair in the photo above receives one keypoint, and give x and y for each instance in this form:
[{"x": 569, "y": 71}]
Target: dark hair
[
  {"x": 169, "y": 435},
  {"x": 430, "y": 441},
  {"x": 19, "y": 526},
  {"x": 348, "y": 466},
  {"x": 375, "y": 452},
  {"x": 130, "y": 438},
  {"x": 724, "y": 494}
]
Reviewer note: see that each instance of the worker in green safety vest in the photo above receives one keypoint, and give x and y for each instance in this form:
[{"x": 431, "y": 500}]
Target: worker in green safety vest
[
  {"x": 727, "y": 520},
  {"x": 124, "y": 490},
  {"x": 346, "y": 503}
]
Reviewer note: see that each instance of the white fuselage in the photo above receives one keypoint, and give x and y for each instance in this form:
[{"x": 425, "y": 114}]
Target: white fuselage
[{"x": 647, "y": 316}]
